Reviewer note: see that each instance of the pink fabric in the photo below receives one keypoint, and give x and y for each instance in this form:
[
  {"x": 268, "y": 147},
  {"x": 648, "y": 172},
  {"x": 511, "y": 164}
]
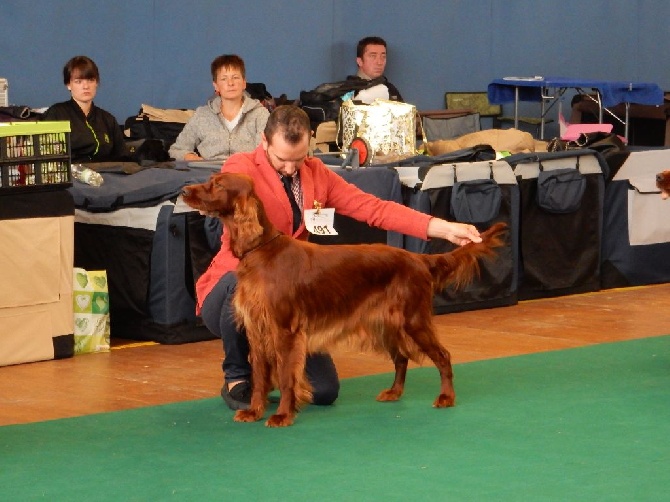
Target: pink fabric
[
  {"x": 319, "y": 184},
  {"x": 571, "y": 132}
]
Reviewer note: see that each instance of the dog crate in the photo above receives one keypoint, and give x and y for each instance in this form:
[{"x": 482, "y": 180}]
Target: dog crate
[
  {"x": 480, "y": 193},
  {"x": 561, "y": 221},
  {"x": 34, "y": 156}
]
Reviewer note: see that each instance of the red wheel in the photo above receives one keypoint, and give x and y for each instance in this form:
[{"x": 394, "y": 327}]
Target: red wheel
[{"x": 363, "y": 147}]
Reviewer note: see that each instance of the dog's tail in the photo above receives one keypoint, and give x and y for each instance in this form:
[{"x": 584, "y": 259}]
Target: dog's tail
[{"x": 458, "y": 267}]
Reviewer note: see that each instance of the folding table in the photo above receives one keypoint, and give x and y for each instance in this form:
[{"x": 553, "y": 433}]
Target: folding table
[{"x": 608, "y": 93}]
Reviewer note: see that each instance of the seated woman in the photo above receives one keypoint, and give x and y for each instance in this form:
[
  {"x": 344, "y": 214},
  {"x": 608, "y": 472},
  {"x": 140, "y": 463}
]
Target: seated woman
[
  {"x": 230, "y": 122},
  {"x": 95, "y": 134}
]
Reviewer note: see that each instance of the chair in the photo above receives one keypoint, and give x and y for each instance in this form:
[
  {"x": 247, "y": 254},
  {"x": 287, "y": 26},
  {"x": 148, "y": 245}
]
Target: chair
[
  {"x": 448, "y": 124},
  {"x": 479, "y": 102}
]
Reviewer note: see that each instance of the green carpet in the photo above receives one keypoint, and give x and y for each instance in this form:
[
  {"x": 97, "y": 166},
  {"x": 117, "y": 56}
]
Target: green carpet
[{"x": 585, "y": 424}]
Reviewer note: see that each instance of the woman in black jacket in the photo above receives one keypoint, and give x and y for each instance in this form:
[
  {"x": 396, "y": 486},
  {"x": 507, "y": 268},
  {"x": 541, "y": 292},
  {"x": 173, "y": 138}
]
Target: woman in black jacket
[{"x": 95, "y": 134}]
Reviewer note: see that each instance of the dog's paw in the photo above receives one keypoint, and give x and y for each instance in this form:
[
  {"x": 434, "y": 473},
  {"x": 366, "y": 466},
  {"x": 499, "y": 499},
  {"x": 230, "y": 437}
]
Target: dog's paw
[
  {"x": 444, "y": 401},
  {"x": 246, "y": 416},
  {"x": 388, "y": 395},
  {"x": 279, "y": 420}
]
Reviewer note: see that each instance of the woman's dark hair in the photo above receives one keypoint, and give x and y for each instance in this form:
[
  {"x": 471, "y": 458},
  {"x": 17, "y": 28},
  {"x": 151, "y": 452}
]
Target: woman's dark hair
[
  {"x": 80, "y": 67},
  {"x": 228, "y": 61},
  {"x": 290, "y": 121}
]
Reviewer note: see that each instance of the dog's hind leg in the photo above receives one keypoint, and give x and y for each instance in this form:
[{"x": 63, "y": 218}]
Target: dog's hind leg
[
  {"x": 396, "y": 390},
  {"x": 442, "y": 360},
  {"x": 426, "y": 340}
]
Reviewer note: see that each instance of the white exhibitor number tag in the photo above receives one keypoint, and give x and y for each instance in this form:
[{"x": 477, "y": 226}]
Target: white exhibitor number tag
[{"x": 320, "y": 221}]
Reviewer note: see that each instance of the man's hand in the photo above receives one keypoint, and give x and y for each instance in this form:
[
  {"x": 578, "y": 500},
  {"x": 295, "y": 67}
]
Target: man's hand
[{"x": 458, "y": 233}]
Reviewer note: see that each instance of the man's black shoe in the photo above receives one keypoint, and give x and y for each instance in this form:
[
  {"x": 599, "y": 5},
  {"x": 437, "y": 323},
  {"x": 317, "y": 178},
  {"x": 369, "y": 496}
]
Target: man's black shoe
[{"x": 239, "y": 397}]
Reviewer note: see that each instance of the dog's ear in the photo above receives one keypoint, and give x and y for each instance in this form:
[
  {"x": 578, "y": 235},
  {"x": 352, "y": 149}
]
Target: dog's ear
[
  {"x": 226, "y": 189},
  {"x": 246, "y": 230}
]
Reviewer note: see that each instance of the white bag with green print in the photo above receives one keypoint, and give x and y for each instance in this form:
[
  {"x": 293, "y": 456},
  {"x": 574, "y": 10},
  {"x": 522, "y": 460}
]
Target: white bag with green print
[{"x": 91, "y": 311}]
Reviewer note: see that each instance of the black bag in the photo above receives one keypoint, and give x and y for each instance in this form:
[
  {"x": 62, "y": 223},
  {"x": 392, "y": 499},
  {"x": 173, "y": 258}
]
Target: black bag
[
  {"x": 17, "y": 112},
  {"x": 560, "y": 190},
  {"x": 167, "y": 132},
  {"x": 475, "y": 201},
  {"x": 334, "y": 90},
  {"x": 257, "y": 90},
  {"x": 147, "y": 150},
  {"x": 323, "y": 103},
  {"x": 603, "y": 142},
  {"x": 322, "y": 112}
]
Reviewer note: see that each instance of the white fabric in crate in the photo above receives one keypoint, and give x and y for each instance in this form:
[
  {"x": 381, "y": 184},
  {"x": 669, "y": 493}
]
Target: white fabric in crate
[{"x": 389, "y": 127}]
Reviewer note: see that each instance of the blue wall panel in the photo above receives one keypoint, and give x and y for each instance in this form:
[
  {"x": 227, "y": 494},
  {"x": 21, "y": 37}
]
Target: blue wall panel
[{"x": 158, "y": 51}]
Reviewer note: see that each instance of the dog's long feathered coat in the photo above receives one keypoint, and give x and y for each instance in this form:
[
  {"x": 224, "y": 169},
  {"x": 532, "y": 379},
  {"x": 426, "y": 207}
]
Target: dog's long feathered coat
[
  {"x": 318, "y": 184},
  {"x": 295, "y": 297}
]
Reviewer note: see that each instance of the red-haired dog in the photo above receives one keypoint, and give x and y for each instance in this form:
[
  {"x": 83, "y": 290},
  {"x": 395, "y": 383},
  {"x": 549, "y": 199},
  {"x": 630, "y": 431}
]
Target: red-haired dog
[
  {"x": 295, "y": 297},
  {"x": 663, "y": 183}
]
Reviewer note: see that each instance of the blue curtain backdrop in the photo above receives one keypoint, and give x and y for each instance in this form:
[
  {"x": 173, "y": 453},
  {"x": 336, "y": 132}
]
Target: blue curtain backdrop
[{"x": 158, "y": 51}]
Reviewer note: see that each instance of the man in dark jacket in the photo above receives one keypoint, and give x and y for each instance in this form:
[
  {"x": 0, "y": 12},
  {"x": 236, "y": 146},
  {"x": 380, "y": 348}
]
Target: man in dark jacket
[{"x": 371, "y": 61}]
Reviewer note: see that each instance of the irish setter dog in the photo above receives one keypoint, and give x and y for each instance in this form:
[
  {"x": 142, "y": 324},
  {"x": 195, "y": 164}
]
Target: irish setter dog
[
  {"x": 663, "y": 183},
  {"x": 295, "y": 297}
]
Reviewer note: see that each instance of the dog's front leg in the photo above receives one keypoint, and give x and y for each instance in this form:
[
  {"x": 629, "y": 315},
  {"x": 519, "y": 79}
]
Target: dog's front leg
[
  {"x": 291, "y": 357},
  {"x": 398, "y": 387},
  {"x": 261, "y": 379}
]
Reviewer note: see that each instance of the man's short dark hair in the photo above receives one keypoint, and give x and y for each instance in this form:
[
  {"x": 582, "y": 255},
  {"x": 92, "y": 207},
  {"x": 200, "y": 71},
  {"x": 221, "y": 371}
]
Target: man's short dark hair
[
  {"x": 229, "y": 62},
  {"x": 80, "y": 67},
  {"x": 364, "y": 42},
  {"x": 290, "y": 121}
]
